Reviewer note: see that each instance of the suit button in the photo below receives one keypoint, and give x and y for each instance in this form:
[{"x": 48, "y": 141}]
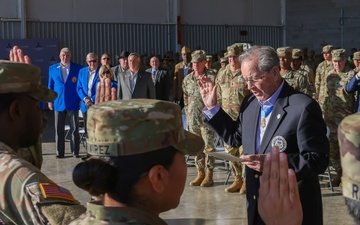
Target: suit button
[
  {"x": 256, "y": 176},
  {"x": 254, "y": 197}
]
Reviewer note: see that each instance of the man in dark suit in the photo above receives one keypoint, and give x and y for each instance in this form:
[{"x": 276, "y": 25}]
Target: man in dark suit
[
  {"x": 274, "y": 115},
  {"x": 161, "y": 80},
  {"x": 63, "y": 78},
  {"x": 135, "y": 83}
]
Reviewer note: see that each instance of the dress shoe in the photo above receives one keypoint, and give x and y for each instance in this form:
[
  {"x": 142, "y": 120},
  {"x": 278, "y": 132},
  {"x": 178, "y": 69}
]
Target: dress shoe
[
  {"x": 59, "y": 156},
  {"x": 76, "y": 156}
]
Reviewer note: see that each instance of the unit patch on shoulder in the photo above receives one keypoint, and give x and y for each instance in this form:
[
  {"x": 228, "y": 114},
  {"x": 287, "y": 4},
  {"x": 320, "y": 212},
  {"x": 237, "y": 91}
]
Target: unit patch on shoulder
[{"x": 55, "y": 191}]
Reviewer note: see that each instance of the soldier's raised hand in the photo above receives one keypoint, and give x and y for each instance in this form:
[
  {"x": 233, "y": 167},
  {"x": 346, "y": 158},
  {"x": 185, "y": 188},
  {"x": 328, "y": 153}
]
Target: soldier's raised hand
[{"x": 17, "y": 55}]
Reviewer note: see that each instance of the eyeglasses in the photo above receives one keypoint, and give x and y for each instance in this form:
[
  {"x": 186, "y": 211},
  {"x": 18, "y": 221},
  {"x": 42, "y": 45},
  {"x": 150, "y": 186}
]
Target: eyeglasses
[
  {"x": 92, "y": 61},
  {"x": 255, "y": 80},
  {"x": 105, "y": 59},
  {"x": 106, "y": 72}
]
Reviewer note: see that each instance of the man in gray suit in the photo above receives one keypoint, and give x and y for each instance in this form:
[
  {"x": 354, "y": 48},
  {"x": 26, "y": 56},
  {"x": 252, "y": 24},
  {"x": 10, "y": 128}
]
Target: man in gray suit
[{"x": 135, "y": 83}]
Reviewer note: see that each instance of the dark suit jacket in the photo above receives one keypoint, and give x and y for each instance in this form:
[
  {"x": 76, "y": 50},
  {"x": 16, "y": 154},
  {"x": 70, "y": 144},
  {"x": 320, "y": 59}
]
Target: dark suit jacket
[
  {"x": 144, "y": 87},
  {"x": 162, "y": 84},
  {"x": 297, "y": 118}
]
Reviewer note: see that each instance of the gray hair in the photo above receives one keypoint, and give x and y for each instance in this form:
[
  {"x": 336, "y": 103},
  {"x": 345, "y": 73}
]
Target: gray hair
[
  {"x": 265, "y": 55},
  {"x": 91, "y": 54}
]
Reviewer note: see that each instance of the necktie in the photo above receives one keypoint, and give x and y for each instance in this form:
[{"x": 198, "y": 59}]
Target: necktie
[
  {"x": 153, "y": 76},
  {"x": 265, "y": 111}
]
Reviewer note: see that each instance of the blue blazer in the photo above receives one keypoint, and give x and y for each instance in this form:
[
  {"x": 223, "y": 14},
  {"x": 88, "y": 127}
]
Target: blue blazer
[
  {"x": 68, "y": 98},
  {"x": 114, "y": 84},
  {"x": 354, "y": 86},
  {"x": 82, "y": 86}
]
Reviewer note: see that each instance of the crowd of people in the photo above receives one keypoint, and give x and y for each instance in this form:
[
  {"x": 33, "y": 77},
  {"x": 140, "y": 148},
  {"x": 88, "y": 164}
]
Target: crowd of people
[{"x": 273, "y": 108}]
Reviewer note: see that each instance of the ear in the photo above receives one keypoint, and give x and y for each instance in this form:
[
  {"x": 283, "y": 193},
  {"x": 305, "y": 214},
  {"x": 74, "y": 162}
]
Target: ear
[
  {"x": 15, "y": 110},
  {"x": 157, "y": 176}
]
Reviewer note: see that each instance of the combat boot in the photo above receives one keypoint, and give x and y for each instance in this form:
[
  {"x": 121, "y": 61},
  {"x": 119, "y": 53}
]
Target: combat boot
[
  {"x": 208, "y": 181},
  {"x": 235, "y": 186},
  {"x": 336, "y": 180},
  {"x": 243, "y": 187},
  {"x": 200, "y": 177}
]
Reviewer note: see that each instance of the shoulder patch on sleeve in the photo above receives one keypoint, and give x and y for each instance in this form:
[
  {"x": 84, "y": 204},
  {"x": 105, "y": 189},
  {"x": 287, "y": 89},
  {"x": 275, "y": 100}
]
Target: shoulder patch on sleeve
[{"x": 55, "y": 191}]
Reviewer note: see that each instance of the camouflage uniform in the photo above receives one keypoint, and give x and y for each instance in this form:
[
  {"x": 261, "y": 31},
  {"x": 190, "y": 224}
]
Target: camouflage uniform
[
  {"x": 22, "y": 201},
  {"x": 231, "y": 91},
  {"x": 193, "y": 109},
  {"x": 349, "y": 136},
  {"x": 132, "y": 127},
  {"x": 320, "y": 80},
  {"x": 297, "y": 80},
  {"x": 311, "y": 80},
  {"x": 98, "y": 214},
  {"x": 336, "y": 104},
  {"x": 322, "y": 70}
]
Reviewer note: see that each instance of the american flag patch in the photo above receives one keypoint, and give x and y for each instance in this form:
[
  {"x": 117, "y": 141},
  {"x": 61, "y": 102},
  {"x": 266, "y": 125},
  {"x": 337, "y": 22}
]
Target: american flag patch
[{"x": 54, "y": 191}]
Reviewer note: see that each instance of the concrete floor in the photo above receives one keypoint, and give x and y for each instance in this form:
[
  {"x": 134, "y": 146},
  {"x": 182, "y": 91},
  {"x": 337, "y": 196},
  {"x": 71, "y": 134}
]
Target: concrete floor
[{"x": 198, "y": 205}]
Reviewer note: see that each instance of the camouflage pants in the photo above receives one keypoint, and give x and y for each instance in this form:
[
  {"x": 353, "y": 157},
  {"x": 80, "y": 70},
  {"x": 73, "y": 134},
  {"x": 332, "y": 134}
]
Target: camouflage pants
[
  {"x": 334, "y": 152},
  {"x": 237, "y": 168},
  {"x": 208, "y": 136}
]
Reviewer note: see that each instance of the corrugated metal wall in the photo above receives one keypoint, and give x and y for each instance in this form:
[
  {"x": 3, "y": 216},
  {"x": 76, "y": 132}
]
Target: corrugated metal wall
[
  {"x": 213, "y": 38},
  {"x": 82, "y": 38}
]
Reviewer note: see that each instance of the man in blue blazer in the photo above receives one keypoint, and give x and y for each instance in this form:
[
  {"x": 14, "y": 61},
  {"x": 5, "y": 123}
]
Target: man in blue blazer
[
  {"x": 63, "y": 78},
  {"x": 88, "y": 77},
  {"x": 273, "y": 115},
  {"x": 135, "y": 83}
]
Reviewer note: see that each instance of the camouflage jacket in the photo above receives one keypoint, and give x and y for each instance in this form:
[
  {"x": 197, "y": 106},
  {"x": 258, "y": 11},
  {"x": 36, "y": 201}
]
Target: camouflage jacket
[
  {"x": 311, "y": 79},
  {"x": 297, "y": 80},
  {"x": 23, "y": 201},
  {"x": 192, "y": 98},
  {"x": 96, "y": 213},
  {"x": 321, "y": 71},
  {"x": 231, "y": 91},
  {"x": 334, "y": 101}
]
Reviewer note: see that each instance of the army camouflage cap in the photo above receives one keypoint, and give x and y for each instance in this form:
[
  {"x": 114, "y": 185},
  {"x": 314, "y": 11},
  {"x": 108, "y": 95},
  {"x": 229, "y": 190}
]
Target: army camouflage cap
[
  {"x": 349, "y": 143},
  {"x": 296, "y": 53},
  {"x": 327, "y": 49},
  {"x": 356, "y": 55},
  {"x": 198, "y": 56},
  {"x": 223, "y": 59},
  {"x": 23, "y": 78},
  {"x": 185, "y": 50},
  {"x": 338, "y": 54},
  {"x": 234, "y": 50},
  {"x": 284, "y": 51},
  {"x": 130, "y": 127}
]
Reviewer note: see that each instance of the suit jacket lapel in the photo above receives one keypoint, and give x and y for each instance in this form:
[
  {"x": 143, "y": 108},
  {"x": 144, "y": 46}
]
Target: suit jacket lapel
[
  {"x": 126, "y": 81},
  {"x": 252, "y": 114}
]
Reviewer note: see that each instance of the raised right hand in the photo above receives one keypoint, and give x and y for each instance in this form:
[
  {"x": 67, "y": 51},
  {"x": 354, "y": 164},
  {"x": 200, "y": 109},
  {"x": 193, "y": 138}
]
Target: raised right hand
[
  {"x": 104, "y": 92},
  {"x": 208, "y": 92}
]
